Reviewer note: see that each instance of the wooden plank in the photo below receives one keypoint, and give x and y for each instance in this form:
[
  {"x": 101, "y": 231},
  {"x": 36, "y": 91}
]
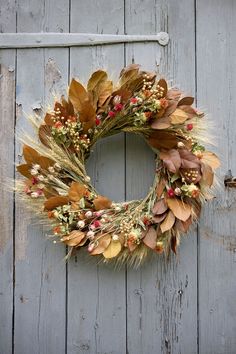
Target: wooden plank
[
  {"x": 96, "y": 294},
  {"x": 39, "y": 40},
  {"x": 216, "y": 86},
  {"x": 40, "y": 280},
  {"x": 161, "y": 296},
  {"x": 7, "y": 123}
]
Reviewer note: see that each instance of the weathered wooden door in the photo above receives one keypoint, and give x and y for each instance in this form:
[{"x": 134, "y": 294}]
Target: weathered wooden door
[{"x": 186, "y": 305}]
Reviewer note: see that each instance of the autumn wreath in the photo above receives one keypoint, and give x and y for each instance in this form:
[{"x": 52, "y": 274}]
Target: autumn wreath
[{"x": 58, "y": 186}]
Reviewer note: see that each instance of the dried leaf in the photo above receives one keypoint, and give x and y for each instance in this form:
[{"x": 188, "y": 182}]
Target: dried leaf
[
  {"x": 159, "y": 207},
  {"x": 129, "y": 73},
  {"x": 150, "y": 239},
  {"x": 96, "y": 78},
  {"x": 178, "y": 116},
  {"x": 180, "y": 209},
  {"x": 24, "y": 170},
  {"x": 45, "y": 162},
  {"x": 105, "y": 90},
  {"x": 163, "y": 139},
  {"x": 162, "y": 83},
  {"x": 207, "y": 174},
  {"x": 74, "y": 238},
  {"x": 78, "y": 95},
  {"x": 112, "y": 250},
  {"x": 190, "y": 111},
  {"x": 44, "y": 133},
  {"x": 158, "y": 218},
  {"x": 31, "y": 156},
  {"x": 55, "y": 202},
  {"x": 160, "y": 187},
  {"x": 101, "y": 203},
  {"x": 188, "y": 101},
  {"x": 103, "y": 243},
  {"x": 77, "y": 191},
  {"x": 161, "y": 123},
  {"x": 48, "y": 119},
  {"x": 183, "y": 226},
  {"x": 211, "y": 159},
  {"x": 188, "y": 159},
  {"x": 173, "y": 94},
  {"x": 171, "y": 160},
  {"x": 174, "y": 243},
  {"x": 168, "y": 223}
]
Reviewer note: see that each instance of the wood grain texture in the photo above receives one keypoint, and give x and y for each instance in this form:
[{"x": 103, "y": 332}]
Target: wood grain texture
[
  {"x": 216, "y": 82},
  {"x": 7, "y": 123},
  {"x": 40, "y": 272},
  {"x": 162, "y": 294},
  {"x": 96, "y": 303}
]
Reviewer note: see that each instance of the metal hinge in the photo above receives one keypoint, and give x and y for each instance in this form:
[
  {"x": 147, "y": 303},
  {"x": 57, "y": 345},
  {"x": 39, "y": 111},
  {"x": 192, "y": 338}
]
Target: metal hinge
[{"x": 229, "y": 180}]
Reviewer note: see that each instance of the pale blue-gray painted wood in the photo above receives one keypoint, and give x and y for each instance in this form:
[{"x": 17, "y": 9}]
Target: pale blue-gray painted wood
[{"x": 185, "y": 306}]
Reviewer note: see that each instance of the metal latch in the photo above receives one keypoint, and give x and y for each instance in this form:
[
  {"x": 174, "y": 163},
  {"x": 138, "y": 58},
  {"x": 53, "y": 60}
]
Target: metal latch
[{"x": 229, "y": 180}]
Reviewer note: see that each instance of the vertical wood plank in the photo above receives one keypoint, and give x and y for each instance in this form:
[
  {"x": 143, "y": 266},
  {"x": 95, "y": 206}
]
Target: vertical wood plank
[
  {"x": 96, "y": 295},
  {"x": 216, "y": 86},
  {"x": 40, "y": 272},
  {"x": 7, "y": 122},
  {"x": 162, "y": 296}
]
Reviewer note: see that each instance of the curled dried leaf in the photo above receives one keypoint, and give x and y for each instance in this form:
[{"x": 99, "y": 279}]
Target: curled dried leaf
[
  {"x": 171, "y": 160},
  {"x": 211, "y": 159},
  {"x": 74, "y": 238},
  {"x": 150, "y": 239},
  {"x": 168, "y": 223},
  {"x": 101, "y": 244},
  {"x": 24, "y": 170},
  {"x": 162, "y": 83},
  {"x": 161, "y": 123},
  {"x": 55, "y": 202},
  {"x": 207, "y": 174},
  {"x": 188, "y": 101},
  {"x": 112, "y": 250},
  {"x": 31, "y": 156},
  {"x": 178, "y": 116},
  {"x": 78, "y": 95},
  {"x": 77, "y": 191},
  {"x": 180, "y": 209},
  {"x": 101, "y": 203},
  {"x": 96, "y": 78},
  {"x": 159, "y": 207}
]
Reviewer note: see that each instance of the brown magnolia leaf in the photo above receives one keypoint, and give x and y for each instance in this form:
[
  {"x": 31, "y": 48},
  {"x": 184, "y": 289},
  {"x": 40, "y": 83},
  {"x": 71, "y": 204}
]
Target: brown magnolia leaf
[
  {"x": 211, "y": 159},
  {"x": 129, "y": 73},
  {"x": 77, "y": 95},
  {"x": 173, "y": 94},
  {"x": 178, "y": 116},
  {"x": 207, "y": 174},
  {"x": 31, "y": 156},
  {"x": 112, "y": 250},
  {"x": 183, "y": 226},
  {"x": 77, "y": 191},
  {"x": 45, "y": 162},
  {"x": 180, "y": 209},
  {"x": 168, "y": 223},
  {"x": 191, "y": 175},
  {"x": 159, "y": 207},
  {"x": 171, "y": 160},
  {"x": 68, "y": 106},
  {"x": 190, "y": 111},
  {"x": 104, "y": 91},
  {"x": 96, "y": 78},
  {"x": 101, "y": 203},
  {"x": 162, "y": 83},
  {"x": 55, "y": 202},
  {"x": 74, "y": 238},
  {"x": 158, "y": 218},
  {"x": 48, "y": 119},
  {"x": 188, "y": 101},
  {"x": 24, "y": 170},
  {"x": 49, "y": 192},
  {"x": 44, "y": 133},
  {"x": 188, "y": 159},
  {"x": 103, "y": 243},
  {"x": 166, "y": 140},
  {"x": 87, "y": 113},
  {"x": 160, "y": 187},
  {"x": 124, "y": 94},
  {"x": 161, "y": 123},
  {"x": 150, "y": 239}
]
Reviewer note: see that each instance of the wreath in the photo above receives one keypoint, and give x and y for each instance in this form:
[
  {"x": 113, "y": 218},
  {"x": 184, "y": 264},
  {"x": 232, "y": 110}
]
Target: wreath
[{"x": 58, "y": 187}]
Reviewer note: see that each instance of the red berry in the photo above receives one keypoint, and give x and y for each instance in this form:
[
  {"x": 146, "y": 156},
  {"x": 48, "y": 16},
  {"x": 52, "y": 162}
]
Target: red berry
[
  {"x": 133, "y": 100},
  {"x": 189, "y": 126},
  {"x": 171, "y": 193},
  {"x": 118, "y": 107},
  {"x": 97, "y": 223},
  {"x": 97, "y": 121},
  {"x": 111, "y": 114}
]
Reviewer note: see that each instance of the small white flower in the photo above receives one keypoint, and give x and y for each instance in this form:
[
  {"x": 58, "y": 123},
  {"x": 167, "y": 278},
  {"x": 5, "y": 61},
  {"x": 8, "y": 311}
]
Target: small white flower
[
  {"x": 40, "y": 185},
  {"x": 33, "y": 172},
  {"x": 51, "y": 169},
  {"x": 118, "y": 208},
  {"x": 34, "y": 195},
  {"x": 115, "y": 237},
  {"x": 36, "y": 167},
  {"x": 88, "y": 214},
  {"x": 180, "y": 144},
  {"x": 103, "y": 220},
  {"x": 90, "y": 235},
  {"x": 41, "y": 178},
  {"x": 57, "y": 166},
  {"x": 81, "y": 223}
]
